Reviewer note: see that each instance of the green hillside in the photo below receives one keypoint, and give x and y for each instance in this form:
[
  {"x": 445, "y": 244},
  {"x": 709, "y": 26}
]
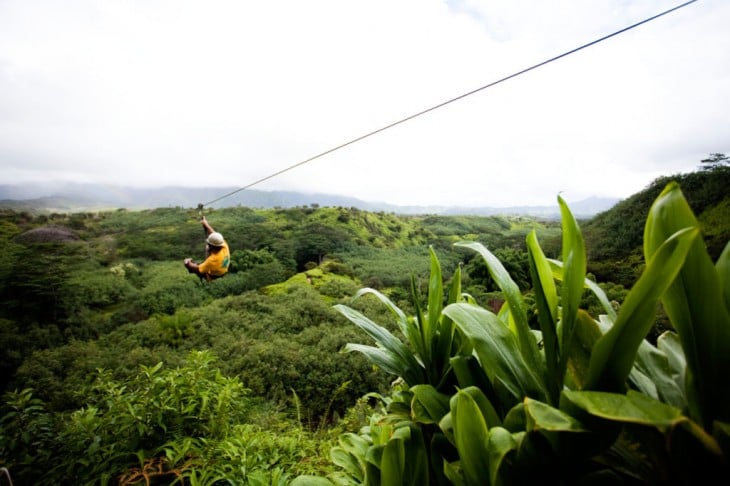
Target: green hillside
[
  {"x": 86, "y": 275},
  {"x": 614, "y": 238},
  {"x": 121, "y": 367}
]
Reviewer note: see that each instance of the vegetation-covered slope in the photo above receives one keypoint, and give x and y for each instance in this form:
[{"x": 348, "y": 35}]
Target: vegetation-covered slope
[
  {"x": 91, "y": 303},
  {"x": 614, "y": 238}
]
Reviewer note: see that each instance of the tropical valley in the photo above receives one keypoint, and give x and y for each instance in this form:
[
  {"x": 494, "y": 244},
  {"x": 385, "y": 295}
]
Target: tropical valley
[{"x": 348, "y": 346}]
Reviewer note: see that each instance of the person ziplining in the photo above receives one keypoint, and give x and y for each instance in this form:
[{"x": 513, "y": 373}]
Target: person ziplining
[{"x": 217, "y": 255}]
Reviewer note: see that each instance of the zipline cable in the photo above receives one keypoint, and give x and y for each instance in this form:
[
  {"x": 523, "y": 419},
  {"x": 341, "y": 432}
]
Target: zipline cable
[{"x": 452, "y": 100}]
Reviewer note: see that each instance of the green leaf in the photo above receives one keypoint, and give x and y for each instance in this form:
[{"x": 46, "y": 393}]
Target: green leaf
[
  {"x": 634, "y": 407},
  {"x": 557, "y": 268},
  {"x": 497, "y": 350},
  {"x": 655, "y": 365},
  {"x": 669, "y": 344},
  {"x": 350, "y": 455},
  {"x": 574, "y": 273},
  {"x": 546, "y": 298},
  {"x": 393, "y": 461},
  {"x": 346, "y": 461},
  {"x": 614, "y": 353},
  {"x": 471, "y": 435},
  {"x": 429, "y": 406},
  {"x": 469, "y": 373},
  {"x": 515, "y": 304},
  {"x": 485, "y": 406},
  {"x": 541, "y": 416},
  {"x": 401, "y": 318},
  {"x": 395, "y": 355},
  {"x": 696, "y": 304},
  {"x": 587, "y": 332},
  {"x": 388, "y": 362},
  {"x": 404, "y": 459},
  {"x": 723, "y": 271},
  {"x": 416, "y": 324},
  {"x": 435, "y": 303},
  {"x": 446, "y": 342},
  {"x": 500, "y": 444}
]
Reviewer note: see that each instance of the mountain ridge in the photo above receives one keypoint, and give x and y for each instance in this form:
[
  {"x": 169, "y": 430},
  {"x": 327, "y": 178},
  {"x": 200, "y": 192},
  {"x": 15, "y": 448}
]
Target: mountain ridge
[{"x": 74, "y": 197}]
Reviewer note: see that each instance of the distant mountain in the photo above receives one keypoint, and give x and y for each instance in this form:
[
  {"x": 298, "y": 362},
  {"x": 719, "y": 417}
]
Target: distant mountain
[{"x": 74, "y": 197}]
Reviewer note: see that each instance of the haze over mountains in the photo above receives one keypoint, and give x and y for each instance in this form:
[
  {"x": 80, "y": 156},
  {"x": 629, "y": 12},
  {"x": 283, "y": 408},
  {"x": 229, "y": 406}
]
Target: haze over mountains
[{"x": 70, "y": 197}]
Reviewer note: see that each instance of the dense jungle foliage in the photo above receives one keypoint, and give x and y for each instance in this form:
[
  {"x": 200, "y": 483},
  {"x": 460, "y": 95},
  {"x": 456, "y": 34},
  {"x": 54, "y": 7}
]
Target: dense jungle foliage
[{"x": 119, "y": 367}]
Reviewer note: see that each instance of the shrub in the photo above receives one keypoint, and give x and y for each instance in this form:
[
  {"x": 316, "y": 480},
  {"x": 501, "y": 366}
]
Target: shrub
[{"x": 579, "y": 401}]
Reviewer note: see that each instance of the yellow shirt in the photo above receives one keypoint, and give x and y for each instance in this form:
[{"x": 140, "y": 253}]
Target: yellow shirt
[{"x": 216, "y": 265}]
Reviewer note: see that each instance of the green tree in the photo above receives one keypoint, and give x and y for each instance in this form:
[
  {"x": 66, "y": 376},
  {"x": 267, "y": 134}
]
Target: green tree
[
  {"x": 715, "y": 161},
  {"x": 315, "y": 241}
]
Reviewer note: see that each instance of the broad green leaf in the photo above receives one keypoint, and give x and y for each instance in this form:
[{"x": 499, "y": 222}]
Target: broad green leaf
[
  {"x": 497, "y": 350},
  {"x": 543, "y": 277},
  {"x": 393, "y": 460},
  {"x": 354, "y": 444},
  {"x": 388, "y": 362},
  {"x": 515, "y": 304},
  {"x": 723, "y": 271},
  {"x": 637, "y": 408},
  {"x": 634, "y": 407},
  {"x": 447, "y": 427},
  {"x": 568, "y": 437},
  {"x": 541, "y": 416},
  {"x": 348, "y": 462},
  {"x": 401, "y": 318},
  {"x": 485, "y": 406},
  {"x": 574, "y": 274},
  {"x": 417, "y": 323},
  {"x": 374, "y": 454},
  {"x": 515, "y": 419},
  {"x": 398, "y": 355},
  {"x": 372, "y": 471},
  {"x": 446, "y": 342},
  {"x": 654, "y": 364},
  {"x": 404, "y": 459},
  {"x": 471, "y": 435},
  {"x": 614, "y": 353},
  {"x": 500, "y": 444},
  {"x": 435, "y": 303},
  {"x": 669, "y": 344},
  {"x": 557, "y": 268},
  {"x": 641, "y": 382},
  {"x": 469, "y": 373},
  {"x": 429, "y": 406},
  {"x": 382, "y": 336},
  {"x": 546, "y": 298},
  {"x": 416, "y": 459},
  {"x": 587, "y": 332},
  {"x": 696, "y": 306},
  {"x": 454, "y": 473}
]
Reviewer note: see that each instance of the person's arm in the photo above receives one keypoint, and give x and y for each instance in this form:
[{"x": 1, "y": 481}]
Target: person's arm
[
  {"x": 208, "y": 228},
  {"x": 191, "y": 266}
]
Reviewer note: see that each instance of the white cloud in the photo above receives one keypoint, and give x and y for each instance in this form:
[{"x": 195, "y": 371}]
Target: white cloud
[{"x": 229, "y": 92}]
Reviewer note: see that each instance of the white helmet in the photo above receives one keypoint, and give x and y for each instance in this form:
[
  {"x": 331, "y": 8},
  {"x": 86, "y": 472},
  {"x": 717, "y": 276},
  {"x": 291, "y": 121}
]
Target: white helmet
[{"x": 215, "y": 239}]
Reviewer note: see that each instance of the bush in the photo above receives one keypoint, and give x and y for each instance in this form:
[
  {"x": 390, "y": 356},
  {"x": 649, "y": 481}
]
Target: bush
[{"x": 481, "y": 398}]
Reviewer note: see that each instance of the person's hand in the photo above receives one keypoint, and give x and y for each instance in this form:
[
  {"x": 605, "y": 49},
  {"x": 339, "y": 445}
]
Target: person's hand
[
  {"x": 203, "y": 220},
  {"x": 188, "y": 260}
]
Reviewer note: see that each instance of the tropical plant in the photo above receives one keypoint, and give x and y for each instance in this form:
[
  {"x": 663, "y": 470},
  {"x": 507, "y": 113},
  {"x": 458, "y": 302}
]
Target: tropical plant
[{"x": 577, "y": 400}]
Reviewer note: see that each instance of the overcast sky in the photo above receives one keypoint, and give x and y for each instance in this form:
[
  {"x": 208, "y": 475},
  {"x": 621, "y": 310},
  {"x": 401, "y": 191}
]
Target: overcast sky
[{"x": 224, "y": 93}]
